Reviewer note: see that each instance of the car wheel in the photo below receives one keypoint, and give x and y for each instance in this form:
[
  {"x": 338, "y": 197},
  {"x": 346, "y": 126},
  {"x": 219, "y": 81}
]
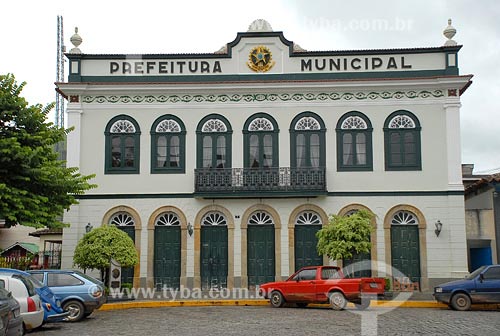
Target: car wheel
[
  {"x": 276, "y": 299},
  {"x": 365, "y": 303},
  {"x": 76, "y": 310},
  {"x": 23, "y": 329},
  {"x": 301, "y": 304},
  {"x": 461, "y": 301},
  {"x": 337, "y": 300}
]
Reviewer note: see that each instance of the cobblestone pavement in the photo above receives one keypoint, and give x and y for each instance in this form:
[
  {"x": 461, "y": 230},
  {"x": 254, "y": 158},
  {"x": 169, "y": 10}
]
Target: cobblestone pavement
[{"x": 243, "y": 321}]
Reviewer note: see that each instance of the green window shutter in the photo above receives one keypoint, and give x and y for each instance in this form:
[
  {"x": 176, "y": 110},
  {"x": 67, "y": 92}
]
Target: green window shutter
[
  {"x": 402, "y": 141},
  {"x": 122, "y": 146},
  {"x": 354, "y": 142}
]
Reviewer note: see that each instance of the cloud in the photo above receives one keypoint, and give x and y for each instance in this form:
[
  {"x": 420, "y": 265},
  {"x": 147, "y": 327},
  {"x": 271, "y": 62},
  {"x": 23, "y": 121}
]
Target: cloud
[{"x": 193, "y": 26}]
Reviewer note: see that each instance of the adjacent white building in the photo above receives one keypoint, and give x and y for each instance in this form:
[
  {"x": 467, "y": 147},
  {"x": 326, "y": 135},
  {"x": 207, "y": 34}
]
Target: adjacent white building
[{"x": 222, "y": 166}]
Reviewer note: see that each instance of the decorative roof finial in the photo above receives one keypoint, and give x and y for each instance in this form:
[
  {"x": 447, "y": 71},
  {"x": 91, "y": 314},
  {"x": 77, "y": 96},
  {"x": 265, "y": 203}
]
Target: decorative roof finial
[
  {"x": 76, "y": 40},
  {"x": 449, "y": 32},
  {"x": 260, "y": 25}
]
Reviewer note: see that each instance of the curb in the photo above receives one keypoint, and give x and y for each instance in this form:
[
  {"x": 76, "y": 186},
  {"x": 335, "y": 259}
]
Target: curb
[{"x": 203, "y": 303}]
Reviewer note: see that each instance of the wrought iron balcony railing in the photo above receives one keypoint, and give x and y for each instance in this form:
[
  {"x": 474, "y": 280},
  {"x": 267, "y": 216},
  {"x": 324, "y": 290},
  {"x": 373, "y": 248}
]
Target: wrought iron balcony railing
[{"x": 277, "y": 181}]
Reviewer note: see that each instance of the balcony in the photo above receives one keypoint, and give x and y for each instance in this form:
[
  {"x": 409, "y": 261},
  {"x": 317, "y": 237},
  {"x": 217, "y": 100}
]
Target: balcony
[{"x": 263, "y": 182}]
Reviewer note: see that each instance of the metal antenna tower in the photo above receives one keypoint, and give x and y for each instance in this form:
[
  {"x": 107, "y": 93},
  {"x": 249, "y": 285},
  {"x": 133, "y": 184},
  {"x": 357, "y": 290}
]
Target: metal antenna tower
[{"x": 60, "y": 72}]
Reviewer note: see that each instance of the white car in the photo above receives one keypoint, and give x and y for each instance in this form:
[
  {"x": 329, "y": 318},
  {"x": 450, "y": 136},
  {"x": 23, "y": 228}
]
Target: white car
[{"x": 23, "y": 291}]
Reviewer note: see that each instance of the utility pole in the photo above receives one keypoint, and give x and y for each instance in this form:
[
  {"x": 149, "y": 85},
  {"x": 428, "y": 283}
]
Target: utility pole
[{"x": 59, "y": 118}]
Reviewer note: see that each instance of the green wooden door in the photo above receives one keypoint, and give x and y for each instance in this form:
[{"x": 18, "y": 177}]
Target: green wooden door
[
  {"x": 306, "y": 241},
  {"x": 128, "y": 272},
  {"x": 214, "y": 256},
  {"x": 260, "y": 254},
  {"x": 359, "y": 266},
  {"x": 405, "y": 250},
  {"x": 167, "y": 256}
]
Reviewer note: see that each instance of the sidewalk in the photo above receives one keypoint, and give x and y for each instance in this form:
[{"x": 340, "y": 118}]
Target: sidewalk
[{"x": 208, "y": 298}]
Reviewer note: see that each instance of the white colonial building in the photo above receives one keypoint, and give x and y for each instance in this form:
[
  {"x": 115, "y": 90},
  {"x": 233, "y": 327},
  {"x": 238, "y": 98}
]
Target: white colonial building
[{"x": 222, "y": 166}]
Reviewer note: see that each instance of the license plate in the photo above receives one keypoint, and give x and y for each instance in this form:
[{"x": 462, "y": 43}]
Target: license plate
[{"x": 373, "y": 285}]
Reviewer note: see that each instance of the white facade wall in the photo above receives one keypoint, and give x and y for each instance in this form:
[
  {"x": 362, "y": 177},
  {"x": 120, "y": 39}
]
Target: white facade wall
[
  {"x": 435, "y": 142},
  {"x": 434, "y": 191},
  {"x": 446, "y": 255}
]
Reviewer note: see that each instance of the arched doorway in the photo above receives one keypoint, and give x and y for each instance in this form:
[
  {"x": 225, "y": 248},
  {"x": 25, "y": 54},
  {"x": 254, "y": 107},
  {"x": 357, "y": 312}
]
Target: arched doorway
[
  {"x": 260, "y": 248},
  {"x": 125, "y": 222},
  {"x": 307, "y": 224},
  {"x": 167, "y": 251},
  {"x": 405, "y": 245},
  {"x": 359, "y": 265},
  {"x": 214, "y": 251}
]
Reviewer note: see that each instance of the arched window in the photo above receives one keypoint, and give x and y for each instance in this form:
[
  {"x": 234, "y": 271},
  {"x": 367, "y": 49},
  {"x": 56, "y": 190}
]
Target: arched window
[
  {"x": 261, "y": 218},
  {"x": 168, "y": 153},
  {"x": 168, "y": 219},
  {"x": 354, "y": 142},
  {"x": 308, "y": 218},
  {"x": 214, "y": 218},
  {"x": 214, "y": 143},
  {"x": 122, "y": 146},
  {"x": 307, "y": 141},
  {"x": 260, "y": 142},
  {"x": 402, "y": 141},
  {"x": 404, "y": 218},
  {"x": 122, "y": 219}
]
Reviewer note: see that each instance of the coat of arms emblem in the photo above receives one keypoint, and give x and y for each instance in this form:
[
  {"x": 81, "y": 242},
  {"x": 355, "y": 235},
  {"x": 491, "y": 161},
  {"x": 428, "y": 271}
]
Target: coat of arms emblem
[{"x": 260, "y": 59}]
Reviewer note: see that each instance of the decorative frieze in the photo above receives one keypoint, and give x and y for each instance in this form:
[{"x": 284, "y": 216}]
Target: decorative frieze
[{"x": 260, "y": 97}]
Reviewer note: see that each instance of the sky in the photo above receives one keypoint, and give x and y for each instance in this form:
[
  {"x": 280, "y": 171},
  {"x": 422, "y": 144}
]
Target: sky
[{"x": 29, "y": 41}]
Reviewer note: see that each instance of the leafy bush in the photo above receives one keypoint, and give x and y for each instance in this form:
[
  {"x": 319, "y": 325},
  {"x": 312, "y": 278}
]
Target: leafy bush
[
  {"x": 345, "y": 235},
  {"x": 96, "y": 249}
]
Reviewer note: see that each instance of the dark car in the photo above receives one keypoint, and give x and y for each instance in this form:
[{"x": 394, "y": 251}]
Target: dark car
[
  {"x": 11, "y": 321},
  {"x": 79, "y": 293},
  {"x": 52, "y": 310},
  {"x": 481, "y": 286}
]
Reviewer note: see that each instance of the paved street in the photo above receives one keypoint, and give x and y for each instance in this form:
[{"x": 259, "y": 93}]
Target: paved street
[{"x": 244, "y": 321}]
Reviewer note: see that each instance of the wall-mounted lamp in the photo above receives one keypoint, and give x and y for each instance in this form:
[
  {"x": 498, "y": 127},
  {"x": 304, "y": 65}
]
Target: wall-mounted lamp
[
  {"x": 88, "y": 227},
  {"x": 439, "y": 227},
  {"x": 190, "y": 229}
]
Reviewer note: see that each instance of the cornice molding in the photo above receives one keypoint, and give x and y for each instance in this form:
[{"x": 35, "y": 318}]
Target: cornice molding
[{"x": 262, "y": 97}]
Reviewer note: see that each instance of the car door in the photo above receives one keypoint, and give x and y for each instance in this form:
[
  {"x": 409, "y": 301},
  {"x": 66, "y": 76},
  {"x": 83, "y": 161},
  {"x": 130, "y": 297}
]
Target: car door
[
  {"x": 488, "y": 286},
  {"x": 328, "y": 278},
  {"x": 66, "y": 285},
  {"x": 302, "y": 287}
]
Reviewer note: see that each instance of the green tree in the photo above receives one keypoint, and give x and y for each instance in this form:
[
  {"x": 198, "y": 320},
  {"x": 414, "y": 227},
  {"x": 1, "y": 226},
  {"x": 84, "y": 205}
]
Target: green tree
[
  {"x": 35, "y": 187},
  {"x": 345, "y": 236},
  {"x": 97, "y": 247}
]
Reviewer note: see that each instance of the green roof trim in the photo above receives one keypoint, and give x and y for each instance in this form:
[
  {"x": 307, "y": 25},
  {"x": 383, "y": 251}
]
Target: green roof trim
[
  {"x": 30, "y": 247},
  {"x": 292, "y": 195},
  {"x": 279, "y": 34},
  {"x": 265, "y": 77}
]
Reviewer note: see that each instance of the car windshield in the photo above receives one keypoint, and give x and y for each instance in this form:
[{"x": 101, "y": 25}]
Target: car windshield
[
  {"x": 475, "y": 273},
  {"x": 36, "y": 282},
  {"x": 27, "y": 282}
]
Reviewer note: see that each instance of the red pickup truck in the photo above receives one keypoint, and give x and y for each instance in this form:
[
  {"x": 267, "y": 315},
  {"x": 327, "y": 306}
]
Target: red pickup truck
[{"x": 323, "y": 284}]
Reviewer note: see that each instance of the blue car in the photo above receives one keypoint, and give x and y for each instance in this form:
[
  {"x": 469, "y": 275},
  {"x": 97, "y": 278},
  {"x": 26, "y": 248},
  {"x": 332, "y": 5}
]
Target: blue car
[
  {"x": 80, "y": 294},
  {"x": 481, "y": 286},
  {"x": 52, "y": 310}
]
